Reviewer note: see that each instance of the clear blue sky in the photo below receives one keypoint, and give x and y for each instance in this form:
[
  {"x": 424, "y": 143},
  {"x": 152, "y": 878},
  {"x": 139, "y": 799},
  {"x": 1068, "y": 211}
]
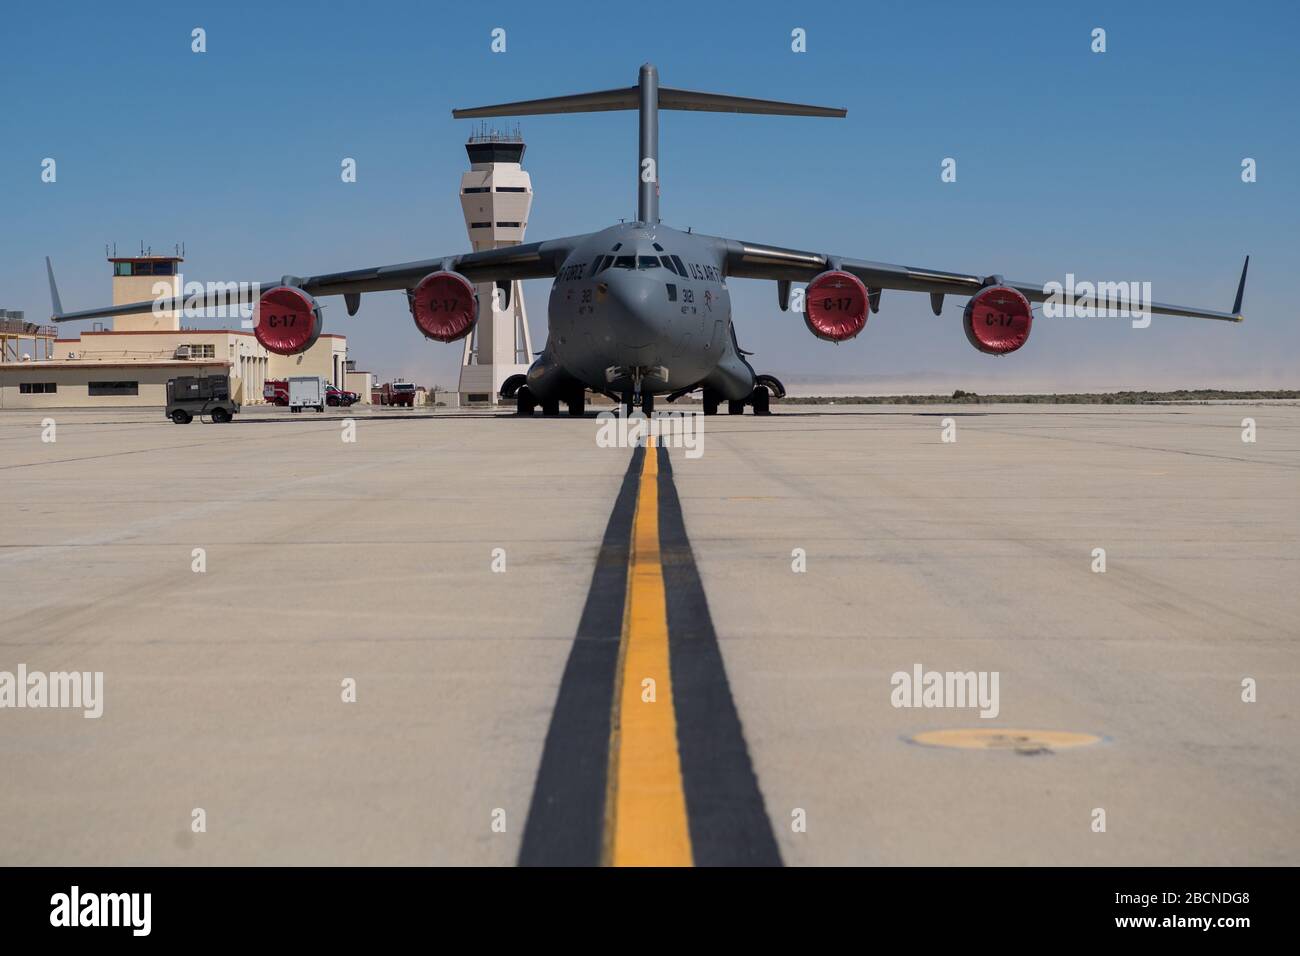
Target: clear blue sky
[{"x": 1116, "y": 166}]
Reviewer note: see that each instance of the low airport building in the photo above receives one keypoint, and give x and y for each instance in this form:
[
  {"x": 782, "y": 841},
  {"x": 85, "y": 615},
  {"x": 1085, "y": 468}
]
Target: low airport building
[
  {"x": 130, "y": 363},
  {"x": 53, "y": 384}
]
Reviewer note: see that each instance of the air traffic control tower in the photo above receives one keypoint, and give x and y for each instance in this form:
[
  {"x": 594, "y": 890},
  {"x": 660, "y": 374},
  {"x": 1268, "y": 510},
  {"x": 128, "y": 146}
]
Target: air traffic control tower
[
  {"x": 495, "y": 195},
  {"x": 143, "y": 277}
]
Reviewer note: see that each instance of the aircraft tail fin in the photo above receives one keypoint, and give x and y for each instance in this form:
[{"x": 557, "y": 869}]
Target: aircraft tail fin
[{"x": 648, "y": 98}]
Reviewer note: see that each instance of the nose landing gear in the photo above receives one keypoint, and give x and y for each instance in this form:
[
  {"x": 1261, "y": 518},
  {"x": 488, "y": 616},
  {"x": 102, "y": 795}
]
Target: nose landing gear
[{"x": 636, "y": 399}]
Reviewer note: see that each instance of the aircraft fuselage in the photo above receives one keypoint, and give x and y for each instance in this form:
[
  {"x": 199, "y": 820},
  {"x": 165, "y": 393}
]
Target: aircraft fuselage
[{"x": 641, "y": 307}]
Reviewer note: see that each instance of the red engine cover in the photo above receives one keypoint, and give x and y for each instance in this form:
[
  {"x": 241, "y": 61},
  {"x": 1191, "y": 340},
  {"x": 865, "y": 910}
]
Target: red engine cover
[
  {"x": 444, "y": 306},
  {"x": 997, "y": 320},
  {"x": 835, "y": 306},
  {"x": 286, "y": 320}
]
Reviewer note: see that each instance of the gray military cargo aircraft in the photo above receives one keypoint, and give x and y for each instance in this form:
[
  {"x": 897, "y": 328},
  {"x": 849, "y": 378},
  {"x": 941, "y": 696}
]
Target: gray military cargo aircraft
[{"x": 639, "y": 309}]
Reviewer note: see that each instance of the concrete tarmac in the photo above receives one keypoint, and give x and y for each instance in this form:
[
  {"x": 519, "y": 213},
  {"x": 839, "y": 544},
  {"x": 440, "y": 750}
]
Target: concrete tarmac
[{"x": 373, "y": 560}]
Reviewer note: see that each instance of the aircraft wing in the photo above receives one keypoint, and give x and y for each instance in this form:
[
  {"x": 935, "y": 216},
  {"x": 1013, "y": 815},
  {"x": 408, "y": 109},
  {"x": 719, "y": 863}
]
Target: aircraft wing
[
  {"x": 534, "y": 260},
  {"x": 748, "y": 260}
]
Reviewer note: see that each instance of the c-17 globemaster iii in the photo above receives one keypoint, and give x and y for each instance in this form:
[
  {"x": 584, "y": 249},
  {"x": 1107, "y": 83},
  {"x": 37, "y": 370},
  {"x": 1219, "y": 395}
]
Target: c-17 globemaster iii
[{"x": 639, "y": 309}]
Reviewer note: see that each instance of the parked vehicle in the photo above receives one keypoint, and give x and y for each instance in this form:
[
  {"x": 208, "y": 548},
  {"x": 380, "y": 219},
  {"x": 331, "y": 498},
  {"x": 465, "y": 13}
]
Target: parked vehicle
[
  {"x": 276, "y": 391},
  {"x": 394, "y": 393},
  {"x": 403, "y": 393},
  {"x": 340, "y": 397},
  {"x": 306, "y": 391},
  {"x": 191, "y": 395}
]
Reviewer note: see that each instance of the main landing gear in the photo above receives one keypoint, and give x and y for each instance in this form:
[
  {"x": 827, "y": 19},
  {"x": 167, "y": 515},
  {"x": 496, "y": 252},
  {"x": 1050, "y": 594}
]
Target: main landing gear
[
  {"x": 526, "y": 403},
  {"x": 766, "y": 387}
]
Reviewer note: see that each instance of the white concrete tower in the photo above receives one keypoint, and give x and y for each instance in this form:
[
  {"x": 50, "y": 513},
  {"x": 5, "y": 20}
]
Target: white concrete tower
[{"x": 495, "y": 195}]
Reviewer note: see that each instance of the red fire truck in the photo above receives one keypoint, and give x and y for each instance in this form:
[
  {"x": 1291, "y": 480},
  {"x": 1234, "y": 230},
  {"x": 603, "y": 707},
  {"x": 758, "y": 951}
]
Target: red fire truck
[{"x": 394, "y": 393}]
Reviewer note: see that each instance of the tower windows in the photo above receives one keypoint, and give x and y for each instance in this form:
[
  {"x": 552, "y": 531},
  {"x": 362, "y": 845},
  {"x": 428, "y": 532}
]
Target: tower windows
[{"x": 166, "y": 268}]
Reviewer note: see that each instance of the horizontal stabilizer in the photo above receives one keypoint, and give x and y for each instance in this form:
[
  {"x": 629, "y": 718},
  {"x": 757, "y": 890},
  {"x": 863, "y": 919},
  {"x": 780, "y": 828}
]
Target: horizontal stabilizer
[
  {"x": 670, "y": 99},
  {"x": 627, "y": 99},
  {"x": 624, "y": 99}
]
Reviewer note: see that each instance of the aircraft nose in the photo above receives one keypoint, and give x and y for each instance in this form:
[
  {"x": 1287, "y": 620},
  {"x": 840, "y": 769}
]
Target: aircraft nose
[{"x": 637, "y": 324}]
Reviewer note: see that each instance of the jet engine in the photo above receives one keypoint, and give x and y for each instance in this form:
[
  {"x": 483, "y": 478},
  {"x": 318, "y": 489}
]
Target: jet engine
[
  {"x": 286, "y": 320},
  {"x": 444, "y": 306},
  {"x": 835, "y": 306},
  {"x": 997, "y": 320}
]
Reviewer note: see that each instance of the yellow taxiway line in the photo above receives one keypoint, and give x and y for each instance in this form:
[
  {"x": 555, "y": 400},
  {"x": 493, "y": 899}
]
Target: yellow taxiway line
[{"x": 646, "y": 824}]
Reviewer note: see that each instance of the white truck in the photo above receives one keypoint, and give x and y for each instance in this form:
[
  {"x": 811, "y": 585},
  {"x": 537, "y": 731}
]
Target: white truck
[{"x": 306, "y": 391}]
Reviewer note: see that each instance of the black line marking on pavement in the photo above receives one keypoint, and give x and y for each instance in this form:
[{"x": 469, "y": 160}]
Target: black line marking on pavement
[
  {"x": 724, "y": 807},
  {"x": 566, "y": 819}
]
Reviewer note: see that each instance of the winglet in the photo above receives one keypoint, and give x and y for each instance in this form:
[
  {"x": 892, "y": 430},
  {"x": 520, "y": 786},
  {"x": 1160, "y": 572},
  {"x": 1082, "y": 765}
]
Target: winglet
[
  {"x": 55, "y": 304},
  {"x": 1241, "y": 291}
]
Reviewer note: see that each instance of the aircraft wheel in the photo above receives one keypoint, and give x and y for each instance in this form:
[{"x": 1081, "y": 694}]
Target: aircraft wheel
[
  {"x": 578, "y": 405},
  {"x": 736, "y": 408},
  {"x": 524, "y": 401},
  {"x": 551, "y": 407},
  {"x": 760, "y": 400},
  {"x": 710, "y": 404},
  {"x": 182, "y": 417},
  {"x": 648, "y": 405}
]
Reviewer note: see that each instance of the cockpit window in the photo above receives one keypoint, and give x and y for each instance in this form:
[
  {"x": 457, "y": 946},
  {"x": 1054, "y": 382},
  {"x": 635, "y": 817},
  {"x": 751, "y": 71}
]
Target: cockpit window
[
  {"x": 625, "y": 262},
  {"x": 681, "y": 269},
  {"x": 668, "y": 263},
  {"x": 647, "y": 262}
]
